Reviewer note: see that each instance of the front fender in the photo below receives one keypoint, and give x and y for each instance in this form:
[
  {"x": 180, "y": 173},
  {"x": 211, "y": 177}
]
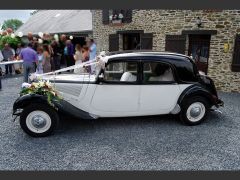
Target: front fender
[
  {"x": 26, "y": 100},
  {"x": 60, "y": 105}
]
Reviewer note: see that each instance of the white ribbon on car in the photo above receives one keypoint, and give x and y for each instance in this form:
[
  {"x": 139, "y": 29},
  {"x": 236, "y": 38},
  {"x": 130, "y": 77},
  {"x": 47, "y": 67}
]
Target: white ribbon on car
[{"x": 98, "y": 60}]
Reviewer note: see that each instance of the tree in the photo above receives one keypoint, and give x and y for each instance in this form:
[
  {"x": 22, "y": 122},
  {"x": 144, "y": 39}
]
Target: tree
[{"x": 14, "y": 24}]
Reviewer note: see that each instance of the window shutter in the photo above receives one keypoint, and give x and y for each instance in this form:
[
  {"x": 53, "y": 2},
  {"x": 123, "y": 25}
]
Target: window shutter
[
  {"x": 146, "y": 41},
  {"x": 105, "y": 16},
  {"x": 127, "y": 15},
  {"x": 175, "y": 43},
  {"x": 113, "y": 42},
  {"x": 236, "y": 55}
]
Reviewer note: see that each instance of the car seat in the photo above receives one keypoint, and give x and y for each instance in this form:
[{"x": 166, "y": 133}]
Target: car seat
[{"x": 127, "y": 76}]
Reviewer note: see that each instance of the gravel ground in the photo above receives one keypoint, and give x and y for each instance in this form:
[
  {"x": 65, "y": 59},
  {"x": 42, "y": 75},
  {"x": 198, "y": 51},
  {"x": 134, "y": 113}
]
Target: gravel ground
[{"x": 152, "y": 143}]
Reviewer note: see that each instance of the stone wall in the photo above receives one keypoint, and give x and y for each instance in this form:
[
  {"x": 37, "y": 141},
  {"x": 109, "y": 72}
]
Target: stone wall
[{"x": 162, "y": 22}]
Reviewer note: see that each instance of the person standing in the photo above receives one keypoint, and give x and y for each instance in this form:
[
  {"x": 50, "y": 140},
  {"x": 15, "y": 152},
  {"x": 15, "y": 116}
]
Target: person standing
[
  {"x": 46, "y": 62},
  {"x": 93, "y": 53},
  {"x": 85, "y": 54},
  {"x": 69, "y": 53},
  {"x": 39, "y": 69},
  {"x": 56, "y": 55},
  {"x": 8, "y": 55},
  {"x": 29, "y": 57},
  {"x": 62, "y": 44},
  {"x": 78, "y": 58}
]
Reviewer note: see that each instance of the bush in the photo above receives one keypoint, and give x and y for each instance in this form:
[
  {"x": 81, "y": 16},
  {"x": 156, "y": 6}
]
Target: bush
[{"x": 13, "y": 42}]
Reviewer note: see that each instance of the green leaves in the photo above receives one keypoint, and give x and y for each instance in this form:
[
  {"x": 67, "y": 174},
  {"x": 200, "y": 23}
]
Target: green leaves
[
  {"x": 13, "y": 42},
  {"x": 12, "y": 23}
]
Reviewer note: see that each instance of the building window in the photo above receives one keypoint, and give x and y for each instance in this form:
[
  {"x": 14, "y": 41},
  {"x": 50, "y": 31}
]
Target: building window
[
  {"x": 236, "y": 55},
  {"x": 117, "y": 16}
]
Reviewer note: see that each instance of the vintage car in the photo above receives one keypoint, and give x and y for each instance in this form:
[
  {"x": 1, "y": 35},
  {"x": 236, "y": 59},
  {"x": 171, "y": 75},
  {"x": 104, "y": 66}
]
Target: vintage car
[{"x": 123, "y": 85}]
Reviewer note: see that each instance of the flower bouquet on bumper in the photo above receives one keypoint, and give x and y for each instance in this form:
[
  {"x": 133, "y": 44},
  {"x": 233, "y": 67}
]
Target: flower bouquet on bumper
[{"x": 43, "y": 88}]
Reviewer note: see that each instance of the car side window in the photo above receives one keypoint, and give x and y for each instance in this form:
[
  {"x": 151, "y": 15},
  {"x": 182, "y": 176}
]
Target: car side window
[
  {"x": 157, "y": 72},
  {"x": 121, "y": 72}
]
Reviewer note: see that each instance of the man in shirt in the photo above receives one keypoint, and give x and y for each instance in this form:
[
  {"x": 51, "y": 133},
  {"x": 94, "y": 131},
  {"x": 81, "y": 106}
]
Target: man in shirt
[
  {"x": 93, "y": 53},
  {"x": 29, "y": 57},
  {"x": 8, "y": 55}
]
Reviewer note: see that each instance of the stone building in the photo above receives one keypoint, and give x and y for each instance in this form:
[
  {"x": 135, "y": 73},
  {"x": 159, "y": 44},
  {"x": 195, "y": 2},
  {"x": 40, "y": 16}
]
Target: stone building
[{"x": 209, "y": 36}]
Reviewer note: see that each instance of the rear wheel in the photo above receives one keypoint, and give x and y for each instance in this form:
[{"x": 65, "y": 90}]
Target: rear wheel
[
  {"x": 39, "y": 120},
  {"x": 194, "y": 110}
]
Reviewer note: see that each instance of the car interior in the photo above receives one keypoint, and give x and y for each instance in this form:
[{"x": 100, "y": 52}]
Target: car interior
[
  {"x": 157, "y": 72},
  {"x": 121, "y": 71},
  {"x": 127, "y": 72}
]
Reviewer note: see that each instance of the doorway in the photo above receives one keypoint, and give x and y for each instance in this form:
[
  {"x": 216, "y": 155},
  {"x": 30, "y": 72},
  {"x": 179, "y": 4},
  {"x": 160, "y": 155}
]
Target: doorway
[
  {"x": 131, "y": 41},
  {"x": 199, "y": 46},
  {"x": 79, "y": 40}
]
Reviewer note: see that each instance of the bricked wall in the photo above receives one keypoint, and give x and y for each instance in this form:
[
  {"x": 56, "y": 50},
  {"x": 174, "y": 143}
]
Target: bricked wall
[{"x": 162, "y": 22}]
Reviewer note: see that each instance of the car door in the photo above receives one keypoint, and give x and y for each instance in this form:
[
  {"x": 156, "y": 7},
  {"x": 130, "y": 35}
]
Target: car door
[
  {"x": 159, "y": 92},
  {"x": 118, "y": 93}
]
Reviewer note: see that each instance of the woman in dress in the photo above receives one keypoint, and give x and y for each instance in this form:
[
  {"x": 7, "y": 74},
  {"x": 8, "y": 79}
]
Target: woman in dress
[
  {"x": 46, "y": 59},
  {"x": 78, "y": 56},
  {"x": 39, "y": 69}
]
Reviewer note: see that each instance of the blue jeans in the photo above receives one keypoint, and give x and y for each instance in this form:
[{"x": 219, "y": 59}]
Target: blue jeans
[{"x": 27, "y": 69}]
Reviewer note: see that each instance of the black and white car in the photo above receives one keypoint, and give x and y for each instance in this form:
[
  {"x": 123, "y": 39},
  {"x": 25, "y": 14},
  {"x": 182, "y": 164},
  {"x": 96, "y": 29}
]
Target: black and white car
[{"x": 125, "y": 85}]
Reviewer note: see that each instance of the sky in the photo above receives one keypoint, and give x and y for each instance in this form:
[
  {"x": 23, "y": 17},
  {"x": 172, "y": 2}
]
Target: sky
[{"x": 22, "y": 15}]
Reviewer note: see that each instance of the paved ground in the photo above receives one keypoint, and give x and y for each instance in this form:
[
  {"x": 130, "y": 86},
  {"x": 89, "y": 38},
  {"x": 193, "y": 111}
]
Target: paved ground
[{"x": 159, "y": 143}]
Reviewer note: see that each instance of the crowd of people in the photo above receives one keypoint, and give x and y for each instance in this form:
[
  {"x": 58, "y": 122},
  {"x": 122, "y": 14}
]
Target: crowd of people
[{"x": 47, "y": 54}]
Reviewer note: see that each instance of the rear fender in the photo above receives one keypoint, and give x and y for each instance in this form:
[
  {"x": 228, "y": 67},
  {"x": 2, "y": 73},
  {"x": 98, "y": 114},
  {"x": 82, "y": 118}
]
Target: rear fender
[{"x": 197, "y": 90}]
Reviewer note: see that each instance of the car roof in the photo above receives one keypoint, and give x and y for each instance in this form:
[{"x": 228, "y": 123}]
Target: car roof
[{"x": 122, "y": 54}]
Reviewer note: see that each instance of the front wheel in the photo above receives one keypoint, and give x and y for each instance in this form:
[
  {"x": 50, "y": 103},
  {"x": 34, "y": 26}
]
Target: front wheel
[
  {"x": 194, "y": 110},
  {"x": 39, "y": 120}
]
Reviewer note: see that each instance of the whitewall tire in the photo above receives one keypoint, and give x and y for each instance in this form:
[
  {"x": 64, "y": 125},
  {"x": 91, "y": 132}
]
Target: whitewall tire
[
  {"x": 194, "y": 110},
  {"x": 39, "y": 120}
]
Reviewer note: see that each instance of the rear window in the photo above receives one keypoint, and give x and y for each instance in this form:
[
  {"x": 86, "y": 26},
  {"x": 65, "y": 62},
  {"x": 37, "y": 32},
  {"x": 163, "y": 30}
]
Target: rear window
[{"x": 186, "y": 71}]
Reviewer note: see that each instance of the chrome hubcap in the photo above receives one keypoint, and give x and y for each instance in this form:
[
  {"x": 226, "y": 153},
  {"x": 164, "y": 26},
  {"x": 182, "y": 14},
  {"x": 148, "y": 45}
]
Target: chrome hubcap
[
  {"x": 196, "y": 111},
  {"x": 38, "y": 121}
]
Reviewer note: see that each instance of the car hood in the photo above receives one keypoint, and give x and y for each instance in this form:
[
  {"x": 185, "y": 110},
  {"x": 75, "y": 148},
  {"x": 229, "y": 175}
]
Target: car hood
[{"x": 70, "y": 78}]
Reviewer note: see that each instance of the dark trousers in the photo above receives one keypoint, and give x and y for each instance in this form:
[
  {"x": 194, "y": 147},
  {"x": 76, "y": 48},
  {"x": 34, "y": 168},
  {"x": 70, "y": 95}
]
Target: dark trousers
[
  {"x": 69, "y": 60},
  {"x": 8, "y": 69},
  {"x": 56, "y": 62},
  {"x": 27, "y": 69}
]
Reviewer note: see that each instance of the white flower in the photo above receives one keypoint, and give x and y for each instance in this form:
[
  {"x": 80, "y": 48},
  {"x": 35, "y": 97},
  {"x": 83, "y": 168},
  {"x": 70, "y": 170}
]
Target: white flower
[
  {"x": 41, "y": 83},
  {"x": 40, "y": 41},
  {"x": 35, "y": 85},
  {"x": 12, "y": 35},
  {"x": 110, "y": 17},
  {"x": 20, "y": 34},
  {"x": 120, "y": 15},
  {"x": 48, "y": 84}
]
